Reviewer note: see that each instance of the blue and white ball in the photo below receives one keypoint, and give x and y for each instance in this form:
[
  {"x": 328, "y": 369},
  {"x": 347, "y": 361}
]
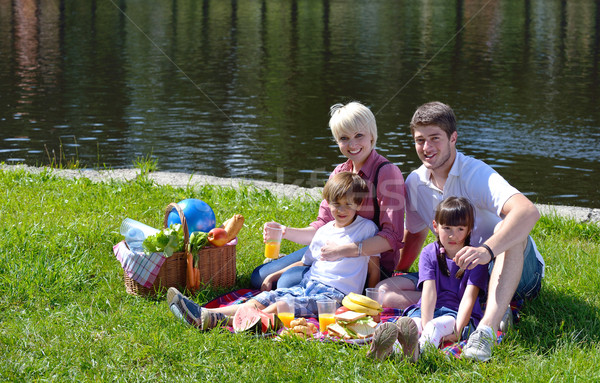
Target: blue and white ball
[{"x": 198, "y": 214}]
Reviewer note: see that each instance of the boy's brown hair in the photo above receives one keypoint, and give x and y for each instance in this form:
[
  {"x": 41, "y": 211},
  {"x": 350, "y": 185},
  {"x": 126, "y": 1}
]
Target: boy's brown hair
[
  {"x": 434, "y": 113},
  {"x": 346, "y": 185}
]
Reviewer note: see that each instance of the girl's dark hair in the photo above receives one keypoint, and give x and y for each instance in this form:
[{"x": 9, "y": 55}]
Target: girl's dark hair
[{"x": 454, "y": 211}]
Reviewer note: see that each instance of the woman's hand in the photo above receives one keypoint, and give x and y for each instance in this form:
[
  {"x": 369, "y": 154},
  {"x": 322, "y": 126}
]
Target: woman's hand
[
  {"x": 331, "y": 251},
  {"x": 267, "y": 232}
]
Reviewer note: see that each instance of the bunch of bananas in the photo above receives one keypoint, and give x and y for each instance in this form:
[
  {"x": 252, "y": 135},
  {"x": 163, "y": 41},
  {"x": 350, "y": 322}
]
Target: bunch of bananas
[{"x": 362, "y": 304}]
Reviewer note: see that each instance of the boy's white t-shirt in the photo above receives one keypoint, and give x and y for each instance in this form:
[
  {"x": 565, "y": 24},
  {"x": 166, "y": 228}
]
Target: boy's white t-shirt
[{"x": 346, "y": 274}]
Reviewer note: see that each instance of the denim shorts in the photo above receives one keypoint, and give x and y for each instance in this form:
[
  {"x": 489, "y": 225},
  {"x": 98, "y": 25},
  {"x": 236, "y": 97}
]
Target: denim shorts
[
  {"x": 413, "y": 277},
  {"x": 305, "y": 296},
  {"x": 438, "y": 312},
  {"x": 531, "y": 277},
  {"x": 292, "y": 277}
]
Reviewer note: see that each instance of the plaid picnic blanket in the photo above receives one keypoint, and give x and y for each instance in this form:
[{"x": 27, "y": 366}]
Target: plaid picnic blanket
[
  {"x": 388, "y": 314},
  {"x": 140, "y": 267}
]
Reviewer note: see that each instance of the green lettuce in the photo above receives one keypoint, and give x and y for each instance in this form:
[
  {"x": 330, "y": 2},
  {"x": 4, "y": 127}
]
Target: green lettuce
[
  {"x": 198, "y": 240},
  {"x": 166, "y": 241}
]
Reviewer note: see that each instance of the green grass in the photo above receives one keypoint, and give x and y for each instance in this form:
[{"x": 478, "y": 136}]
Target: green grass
[{"x": 65, "y": 315}]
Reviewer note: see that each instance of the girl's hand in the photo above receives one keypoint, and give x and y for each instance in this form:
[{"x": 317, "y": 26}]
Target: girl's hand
[
  {"x": 454, "y": 337},
  {"x": 331, "y": 251},
  {"x": 451, "y": 338}
]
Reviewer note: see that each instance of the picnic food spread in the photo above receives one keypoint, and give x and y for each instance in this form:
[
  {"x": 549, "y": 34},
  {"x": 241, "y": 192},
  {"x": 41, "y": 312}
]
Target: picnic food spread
[
  {"x": 301, "y": 328},
  {"x": 254, "y": 320},
  {"x": 233, "y": 226},
  {"x": 171, "y": 239},
  {"x": 352, "y": 325},
  {"x": 216, "y": 237},
  {"x": 362, "y": 304},
  {"x": 180, "y": 254}
]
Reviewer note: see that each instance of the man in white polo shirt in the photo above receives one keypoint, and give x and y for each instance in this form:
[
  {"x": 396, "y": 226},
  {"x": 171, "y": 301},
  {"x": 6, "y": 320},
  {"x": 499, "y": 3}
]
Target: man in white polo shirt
[{"x": 503, "y": 220}]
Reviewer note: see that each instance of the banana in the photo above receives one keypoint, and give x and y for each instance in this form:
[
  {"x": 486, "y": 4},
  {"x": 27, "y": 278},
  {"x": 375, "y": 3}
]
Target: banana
[
  {"x": 365, "y": 301},
  {"x": 358, "y": 308}
]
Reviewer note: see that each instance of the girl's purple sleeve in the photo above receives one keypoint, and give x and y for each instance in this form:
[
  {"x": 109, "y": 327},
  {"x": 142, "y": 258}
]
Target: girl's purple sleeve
[{"x": 479, "y": 277}]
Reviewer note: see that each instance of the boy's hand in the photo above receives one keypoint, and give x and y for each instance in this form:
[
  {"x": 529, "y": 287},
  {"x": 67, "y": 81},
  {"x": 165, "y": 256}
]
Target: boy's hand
[
  {"x": 469, "y": 257},
  {"x": 267, "y": 285},
  {"x": 268, "y": 282}
]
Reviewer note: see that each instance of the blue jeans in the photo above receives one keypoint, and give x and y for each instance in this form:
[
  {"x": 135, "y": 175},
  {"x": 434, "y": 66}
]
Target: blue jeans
[
  {"x": 531, "y": 277},
  {"x": 291, "y": 277}
]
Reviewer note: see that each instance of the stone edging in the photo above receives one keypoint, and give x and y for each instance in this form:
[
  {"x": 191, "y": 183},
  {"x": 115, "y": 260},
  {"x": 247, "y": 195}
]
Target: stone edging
[{"x": 579, "y": 214}]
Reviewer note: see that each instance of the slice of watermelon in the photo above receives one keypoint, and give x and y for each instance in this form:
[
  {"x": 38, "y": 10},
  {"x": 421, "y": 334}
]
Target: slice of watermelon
[
  {"x": 252, "y": 319},
  {"x": 270, "y": 322},
  {"x": 247, "y": 318}
]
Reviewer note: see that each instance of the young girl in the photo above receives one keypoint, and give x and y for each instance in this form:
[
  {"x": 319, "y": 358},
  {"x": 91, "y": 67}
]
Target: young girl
[{"x": 450, "y": 300}]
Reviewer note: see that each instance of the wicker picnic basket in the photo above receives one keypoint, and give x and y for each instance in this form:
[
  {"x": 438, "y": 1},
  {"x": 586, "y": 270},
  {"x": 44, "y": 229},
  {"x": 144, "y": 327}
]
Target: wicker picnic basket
[
  {"x": 216, "y": 265},
  {"x": 172, "y": 272}
]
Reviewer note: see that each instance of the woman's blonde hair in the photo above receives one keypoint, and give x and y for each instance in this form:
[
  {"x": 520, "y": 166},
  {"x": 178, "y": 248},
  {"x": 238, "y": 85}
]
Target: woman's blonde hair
[{"x": 350, "y": 118}]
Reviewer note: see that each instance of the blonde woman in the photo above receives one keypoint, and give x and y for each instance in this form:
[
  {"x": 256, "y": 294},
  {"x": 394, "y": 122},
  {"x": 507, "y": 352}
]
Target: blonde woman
[{"x": 354, "y": 128}]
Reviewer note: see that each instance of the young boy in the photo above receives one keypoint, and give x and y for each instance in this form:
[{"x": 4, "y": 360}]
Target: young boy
[{"x": 344, "y": 193}]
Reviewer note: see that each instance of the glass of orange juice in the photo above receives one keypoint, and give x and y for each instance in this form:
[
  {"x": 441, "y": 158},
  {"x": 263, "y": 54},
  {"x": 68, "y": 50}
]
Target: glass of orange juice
[
  {"x": 273, "y": 233},
  {"x": 285, "y": 309},
  {"x": 326, "y": 313}
]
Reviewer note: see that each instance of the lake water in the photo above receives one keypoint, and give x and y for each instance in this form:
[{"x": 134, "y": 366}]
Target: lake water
[{"x": 243, "y": 88}]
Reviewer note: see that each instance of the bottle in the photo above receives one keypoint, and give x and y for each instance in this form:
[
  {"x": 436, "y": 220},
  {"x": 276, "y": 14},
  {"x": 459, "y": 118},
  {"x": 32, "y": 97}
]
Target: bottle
[
  {"x": 134, "y": 238},
  {"x": 135, "y": 233}
]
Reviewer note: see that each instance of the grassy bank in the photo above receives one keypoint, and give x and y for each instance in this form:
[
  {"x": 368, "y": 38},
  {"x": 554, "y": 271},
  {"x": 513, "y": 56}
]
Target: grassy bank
[{"x": 65, "y": 315}]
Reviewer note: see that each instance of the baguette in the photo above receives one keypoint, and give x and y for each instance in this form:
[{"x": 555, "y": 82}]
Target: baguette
[{"x": 233, "y": 226}]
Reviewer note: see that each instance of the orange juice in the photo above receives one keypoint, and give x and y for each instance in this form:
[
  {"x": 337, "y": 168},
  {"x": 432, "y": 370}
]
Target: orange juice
[
  {"x": 325, "y": 320},
  {"x": 286, "y": 318},
  {"x": 272, "y": 250}
]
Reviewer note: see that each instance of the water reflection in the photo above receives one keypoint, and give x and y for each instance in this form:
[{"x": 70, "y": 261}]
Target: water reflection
[{"x": 242, "y": 89}]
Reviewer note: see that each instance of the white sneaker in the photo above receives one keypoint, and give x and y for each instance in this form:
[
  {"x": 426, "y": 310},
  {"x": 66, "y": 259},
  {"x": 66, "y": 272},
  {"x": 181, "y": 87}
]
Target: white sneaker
[
  {"x": 479, "y": 346},
  {"x": 386, "y": 334},
  {"x": 190, "y": 312},
  {"x": 507, "y": 321},
  {"x": 408, "y": 335}
]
